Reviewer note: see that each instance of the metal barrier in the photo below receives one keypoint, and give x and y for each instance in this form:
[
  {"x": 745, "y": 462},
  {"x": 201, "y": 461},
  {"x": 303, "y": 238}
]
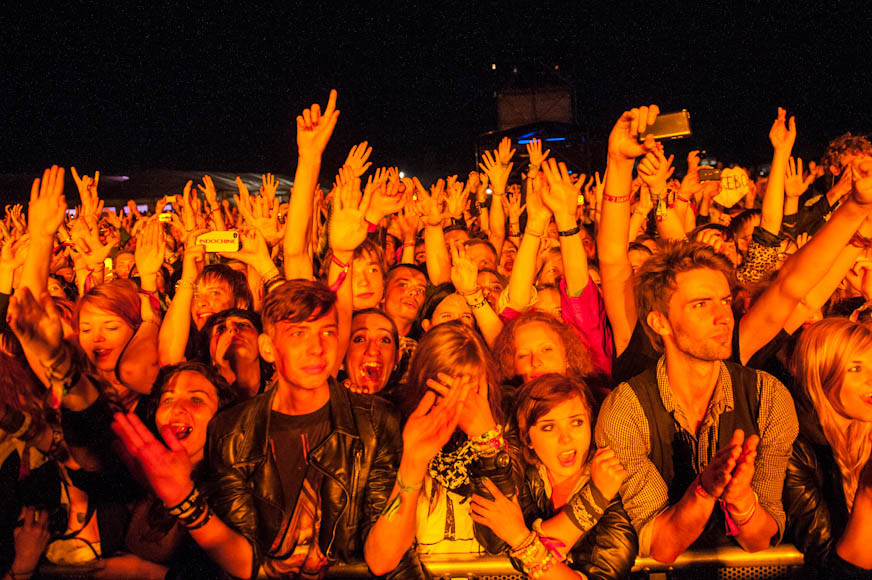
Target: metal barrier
[
  {"x": 730, "y": 563},
  {"x": 726, "y": 563}
]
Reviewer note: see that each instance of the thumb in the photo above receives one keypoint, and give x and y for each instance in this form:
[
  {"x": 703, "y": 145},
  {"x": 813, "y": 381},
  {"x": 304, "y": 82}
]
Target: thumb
[{"x": 169, "y": 437}]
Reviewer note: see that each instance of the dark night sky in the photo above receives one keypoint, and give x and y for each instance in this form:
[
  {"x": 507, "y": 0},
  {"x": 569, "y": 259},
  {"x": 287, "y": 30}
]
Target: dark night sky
[{"x": 147, "y": 85}]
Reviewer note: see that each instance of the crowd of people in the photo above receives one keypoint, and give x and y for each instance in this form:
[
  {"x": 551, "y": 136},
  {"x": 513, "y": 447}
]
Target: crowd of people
[{"x": 568, "y": 370}]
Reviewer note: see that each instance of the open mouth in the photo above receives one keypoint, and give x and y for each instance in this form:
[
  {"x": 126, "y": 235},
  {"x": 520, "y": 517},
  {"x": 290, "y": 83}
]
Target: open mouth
[
  {"x": 567, "y": 458},
  {"x": 181, "y": 430},
  {"x": 102, "y": 353},
  {"x": 371, "y": 371}
]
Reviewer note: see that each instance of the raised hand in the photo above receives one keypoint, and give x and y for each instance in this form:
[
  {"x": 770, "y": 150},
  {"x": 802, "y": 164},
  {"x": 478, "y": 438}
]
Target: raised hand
[
  {"x": 457, "y": 201},
  {"x": 167, "y": 468},
  {"x": 624, "y": 139},
  {"x": 357, "y": 159},
  {"x": 655, "y": 170},
  {"x": 538, "y": 213},
  {"x": 513, "y": 207},
  {"x": 209, "y": 191},
  {"x": 36, "y": 323},
  {"x": 48, "y": 206},
  {"x": 562, "y": 195},
  {"x": 496, "y": 171},
  {"x": 429, "y": 428},
  {"x": 88, "y": 193},
  {"x": 691, "y": 185},
  {"x": 464, "y": 271},
  {"x": 607, "y": 472},
  {"x": 504, "y": 152},
  {"x": 534, "y": 151},
  {"x": 314, "y": 129},
  {"x": 501, "y": 514},
  {"x": 428, "y": 206},
  {"x": 13, "y": 252},
  {"x": 347, "y": 228},
  {"x": 150, "y": 249},
  {"x": 86, "y": 238},
  {"x": 383, "y": 189},
  {"x": 781, "y": 135},
  {"x": 189, "y": 214},
  {"x": 794, "y": 184}
]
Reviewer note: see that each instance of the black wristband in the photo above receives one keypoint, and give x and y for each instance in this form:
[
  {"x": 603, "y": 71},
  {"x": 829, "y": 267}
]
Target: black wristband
[{"x": 568, "y": 233}]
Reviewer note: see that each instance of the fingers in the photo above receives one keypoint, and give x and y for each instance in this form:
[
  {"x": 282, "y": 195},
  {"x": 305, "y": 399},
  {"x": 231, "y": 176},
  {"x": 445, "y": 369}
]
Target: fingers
[{"x": 169, "y": 437}]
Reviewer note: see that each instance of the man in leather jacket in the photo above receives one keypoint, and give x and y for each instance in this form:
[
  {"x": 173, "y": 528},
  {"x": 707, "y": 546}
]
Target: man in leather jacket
[{"x": 346, "y": 463}]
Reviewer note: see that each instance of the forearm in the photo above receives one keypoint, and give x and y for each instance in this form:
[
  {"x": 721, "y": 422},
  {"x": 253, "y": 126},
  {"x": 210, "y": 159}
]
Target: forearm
[
  {"x": 680, "y": 525},
  {"x": 488, "y": 321},
  {"x": 34, "y": 272},
  {"x": 173, "y": 335},
  {"x": 574, "y": 257},
  {"x": 391, "y": 536},
  {"x": 756, "y": 534},
  {"x": 438, "y": 261},
  {"x": 773, "y": 198},
  {"x": 854, "y": 544},
  {"x": 139, "y": 363},
  {"x": 344, "y": 298},
  {"x": 669, "y": 225},
  {"x": 614, "y": 232},
  {"x": 638, "y": 221},
  {"x": 497, "y": 220},
  {"x": 300, "y": 208},
  {"x": 524, "y": 271},
  {"x": 819, "y": 295},
  {"x": 228, "y": 548}
]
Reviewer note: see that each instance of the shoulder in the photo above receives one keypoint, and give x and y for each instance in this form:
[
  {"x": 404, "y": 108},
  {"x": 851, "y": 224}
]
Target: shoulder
[{"x": 619, "y": 409}]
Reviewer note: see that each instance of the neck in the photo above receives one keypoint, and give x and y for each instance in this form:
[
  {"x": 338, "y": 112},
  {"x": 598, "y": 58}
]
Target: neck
[
  {"x": 561, "y": 488},
  {"x": 245, "y": 373},
  {"x": 293, "y": 400},
  {"x": 689, "y": 376},
  {"x": 403, "y": 326}
]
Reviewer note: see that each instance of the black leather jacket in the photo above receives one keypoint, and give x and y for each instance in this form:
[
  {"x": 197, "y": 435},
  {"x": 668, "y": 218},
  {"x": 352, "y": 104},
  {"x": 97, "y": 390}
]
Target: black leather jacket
[
  {"x": 358, "y": 460},
  {"x": 608, "y": 550},
  {"x": 814, "y": 501}
]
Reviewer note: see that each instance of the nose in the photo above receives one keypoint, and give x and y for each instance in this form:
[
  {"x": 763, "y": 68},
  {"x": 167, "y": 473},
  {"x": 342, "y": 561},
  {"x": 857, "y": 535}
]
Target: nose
[
  {"x": 563, "y": 436},
  {"x": 535, "y": 361},
  {"x": 371, "y": 347},
  {"x": 316, "y": 346}
]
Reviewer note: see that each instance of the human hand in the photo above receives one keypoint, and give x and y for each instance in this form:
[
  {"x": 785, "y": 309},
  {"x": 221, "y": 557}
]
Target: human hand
[
  {"x": 562, "y": 195},
  {"x": 738, "y": 493},
  {"x": 260, "y": 213},
  {"x": 534, "y": 151},
  {"x": 427, "y": 206},
  {"x": 194, "y": 258},
  {"x": 513, "y": 208},
  {"x": 623, "y": 140},
  {"x": 30, "y": 539},
  {"x": 13, "y": 252},
  {"x": 607, "y": 472},
  {"x": 781, "y": 135},
  {"x": 504, "y": 151},
  {"x": 458, "y": 199},
  {"x": 691, "y": 185},
  {"x": 405, "y": 225},
  {"x": 150, "y": 249},
  {"x": 429, "y": 428},
  {"x": 502, "y": 515},
  {"x": 88, "y": 193},
  {"x": 538, "y": 214},
  {"x": 166, "y": 467},
  {"x": 86, "y": 240},
  {"x": 476, "y": 417},
  {"x": 36, "y": 323},
  {"x": 209, "y": 191},
  {"x": 655, "y": 169},
  {"x": 496, "y": 171},
  {"x": 314, "y": 129},
  {"x": 48, "y": 206},
  {"x": 464, "y": 271},
  {"x": 269, "y": 188},
  {"x": 383, "y": 189},
  {"x": 347, "y": 228},
  {"x": 794, "y": 184},
  {"x": 357, "y": 159},
  {"x": 253, "y": 250},
  {"x": 717, "y": 474}
]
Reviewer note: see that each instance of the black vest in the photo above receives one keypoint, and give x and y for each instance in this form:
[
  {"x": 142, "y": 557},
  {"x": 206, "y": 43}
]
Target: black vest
[{"x": 672, "y": 446}]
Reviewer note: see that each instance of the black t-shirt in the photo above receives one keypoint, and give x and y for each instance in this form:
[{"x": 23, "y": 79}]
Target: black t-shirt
[{"x": 292, "y": 437}]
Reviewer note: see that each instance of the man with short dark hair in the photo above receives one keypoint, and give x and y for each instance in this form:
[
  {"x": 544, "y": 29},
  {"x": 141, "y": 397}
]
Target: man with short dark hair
[{"x": 696, "y": 430}]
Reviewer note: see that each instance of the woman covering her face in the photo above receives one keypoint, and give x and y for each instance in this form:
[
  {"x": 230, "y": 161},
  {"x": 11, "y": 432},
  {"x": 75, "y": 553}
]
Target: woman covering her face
[
  {"x": 828, "y": 489},
  {"x": 562, "y": 472}
]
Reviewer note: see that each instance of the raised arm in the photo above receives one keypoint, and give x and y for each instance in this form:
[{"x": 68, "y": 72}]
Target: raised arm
[
  {"x": 613, "y": 233},
  {"x": 498, "y": 167},
  {"x": 45, "y": 215},
  {"x": 805, "y": 269},
  {"x": 314, "y": 130},
  {"x": 464, "y": 273},
  {"x": 524, "y": 272},
  {"x": 782, "y": 136},
  {"x": 562, "y": 199},
  {"x": 429, "y": 207},
  {"x": 173, "y": 336}
]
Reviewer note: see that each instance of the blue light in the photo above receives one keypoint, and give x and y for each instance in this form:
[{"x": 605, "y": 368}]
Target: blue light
[
  {"x": 556, "y": 139},
  {"x": 524, "y": 141},
  {"x": 530, "y": 134}
]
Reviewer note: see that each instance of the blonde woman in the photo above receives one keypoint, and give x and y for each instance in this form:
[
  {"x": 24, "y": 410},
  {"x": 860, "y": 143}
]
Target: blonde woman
[{"x": 828, "y": 490}]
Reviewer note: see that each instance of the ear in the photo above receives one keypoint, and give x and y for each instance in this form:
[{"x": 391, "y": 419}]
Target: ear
[
  {"x": 835, "y": 170},
  {"x": 659, "y": 323},
  {"x": 266, "y": 348},
  {"x": 426, "y": 325}
]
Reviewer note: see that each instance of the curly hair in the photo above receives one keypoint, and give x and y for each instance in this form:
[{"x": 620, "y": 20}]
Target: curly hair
[
  {"x": 841, "y": 145},
  {"x": 578, "y": 360},
  {"x": 820, "y": 362}
]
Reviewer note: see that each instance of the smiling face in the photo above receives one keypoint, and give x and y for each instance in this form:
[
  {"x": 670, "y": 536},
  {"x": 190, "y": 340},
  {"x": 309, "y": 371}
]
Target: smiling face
[
  {"x": 103, "y": 336},
  {"x": 853, "y": 399},
  {"x": 367, "y": 282},
  {"x": 538, "y": 351},
  {"x": 187, "y": 404},
  {"x": 507, "y": 258},
  {"x": 372, "y": 352},
  {"x": 452, "y": 307},
  {"x": 211, "y": 295},
  {"x": 561, "y": 439}
]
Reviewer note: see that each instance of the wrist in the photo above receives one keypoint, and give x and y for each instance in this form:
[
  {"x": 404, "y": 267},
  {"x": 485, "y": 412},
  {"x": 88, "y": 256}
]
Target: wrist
[
  {"x": 565, "y": 222},
  {"x": 412, "y": 470}
]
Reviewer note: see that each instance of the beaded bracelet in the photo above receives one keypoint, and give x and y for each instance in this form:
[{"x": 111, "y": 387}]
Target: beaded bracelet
[
  {"x": 185, "y": 505},
  {"x": 489, "y": 443},
  {"x": 202, "y": 522}
]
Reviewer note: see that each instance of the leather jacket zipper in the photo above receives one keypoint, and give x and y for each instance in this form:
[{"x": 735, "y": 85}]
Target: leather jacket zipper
[
  {"x": 328, "y": 551},
  {"x": 355, "y": 476}
]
